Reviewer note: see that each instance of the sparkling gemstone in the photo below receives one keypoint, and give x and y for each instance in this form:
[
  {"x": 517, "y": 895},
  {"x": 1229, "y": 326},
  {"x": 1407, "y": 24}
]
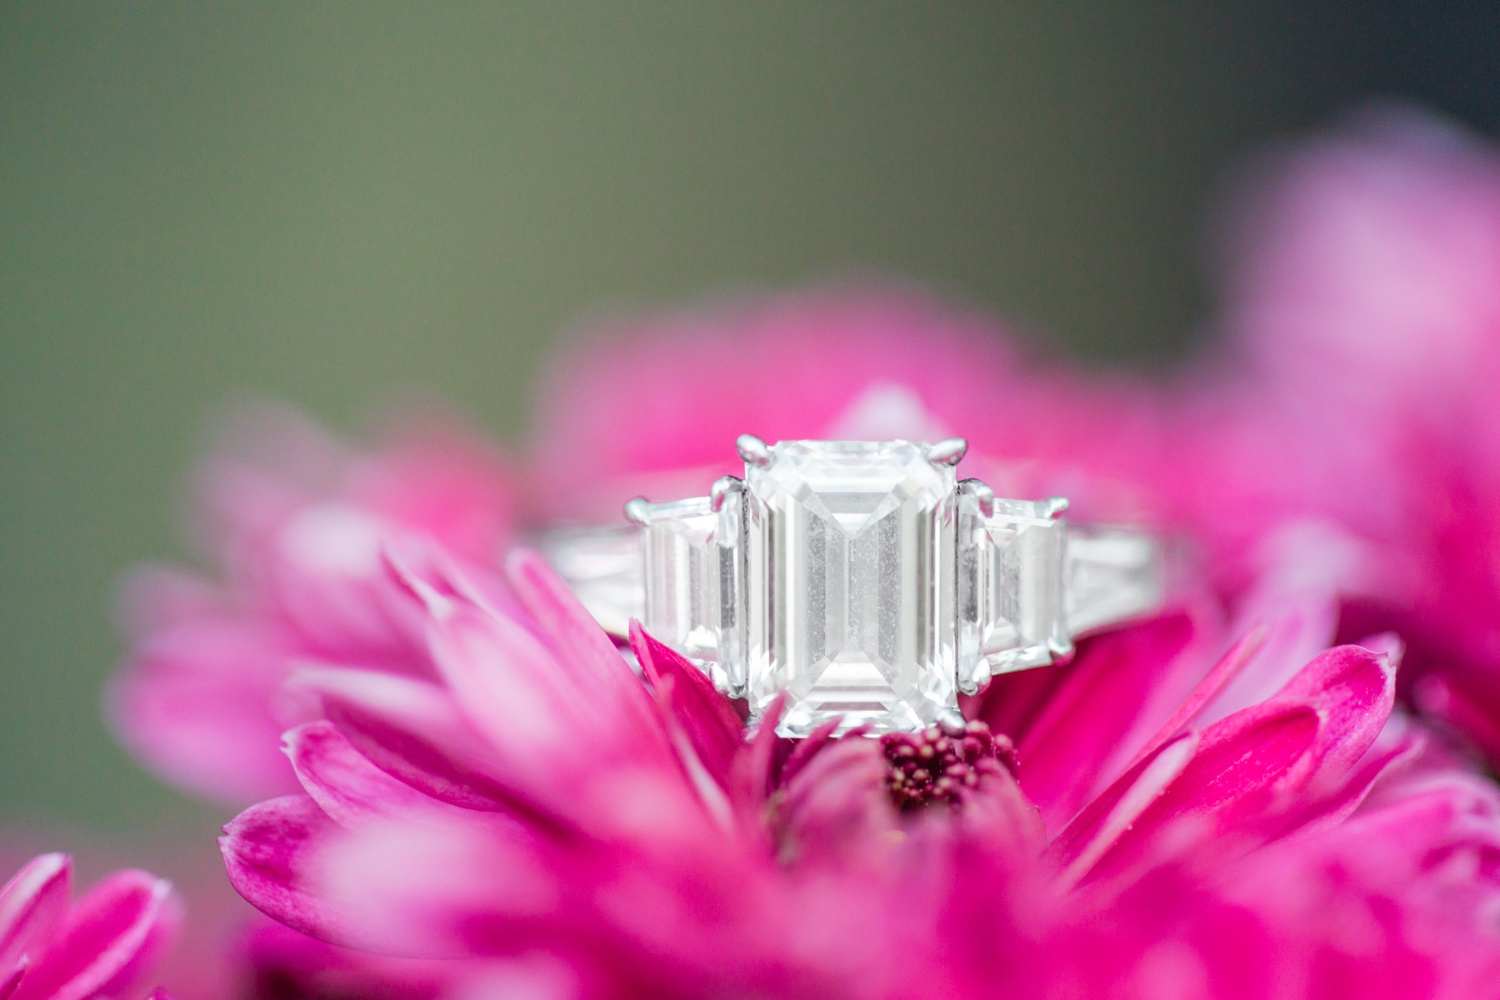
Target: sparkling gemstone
[
  {"x": 1010, "y": 600},
  {"x": 682, "y": 566},
  {"x": 849, "y": 585}
]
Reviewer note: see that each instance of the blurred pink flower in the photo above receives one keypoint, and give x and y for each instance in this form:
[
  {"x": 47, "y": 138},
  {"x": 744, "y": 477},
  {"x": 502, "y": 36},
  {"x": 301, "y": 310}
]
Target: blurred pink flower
[
  {"x": 1361, "y": 378},
  {"x": 100, "y": 946},
  {"x": 652, "y": 406},
  {"x": 1190, "y": 820},
  {"x": 297, "y": 521}
]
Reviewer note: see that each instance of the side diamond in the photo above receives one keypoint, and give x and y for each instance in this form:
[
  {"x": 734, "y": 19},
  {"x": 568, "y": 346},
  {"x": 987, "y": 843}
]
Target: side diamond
[{"x": 1010, "y": 586}]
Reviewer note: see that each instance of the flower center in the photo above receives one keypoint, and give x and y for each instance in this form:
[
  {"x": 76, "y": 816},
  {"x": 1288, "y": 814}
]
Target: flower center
[{"x": 942, "y": 763}]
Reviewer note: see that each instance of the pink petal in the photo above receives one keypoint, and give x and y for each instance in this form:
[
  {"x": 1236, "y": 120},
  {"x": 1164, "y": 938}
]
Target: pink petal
[
  {"x": 413, "y": 732},
  {"x": 591, "y": 653},
  {"x": 271, "y": 851},
  {"x": 1065, "y": 752},
  {"x": 105, "y": 940},
  {"x": 1242, "y": 762},
  {"x": 837, "y": 806},
  {"x": 751, "y": 777},
  {"x": 706, "y": 716},
  {"x": 998, "y": 816},
  {"x": 1110, "y": 815},
  {"x": 31, "y": 904},
  {"x": 193, "y": 701},
  {"x": 424, "y": 891},
  {"x": 1223, "y": 672},
  {"x": 351, "y": 790},
  {"x": 1353, "y": 690}
]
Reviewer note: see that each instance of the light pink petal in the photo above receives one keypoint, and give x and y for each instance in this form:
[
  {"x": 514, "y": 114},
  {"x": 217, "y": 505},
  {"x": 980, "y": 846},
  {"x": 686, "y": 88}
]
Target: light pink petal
[
  {"x": 351, "y": 790},
  {"x": 194, "y": 702},
  {"x": 430, "y": 891},
  {"x": 272, "y": 851},
  {"x": 706, "y": 716},
  {"x": 1065, "y": 752},
  {"x": 31, "y": 904},
  {"x": 438, "y": 480},
  {"x": 105, "y": 940}
]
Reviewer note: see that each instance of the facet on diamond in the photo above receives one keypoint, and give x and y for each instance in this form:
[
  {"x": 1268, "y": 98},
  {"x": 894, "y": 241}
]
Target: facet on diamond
[
  {"x": 690, "y": 555},
  {"x": 1010, "y": 597},
  {"x": 682, "y": 569},
  {"x": 849, "y": 585}
]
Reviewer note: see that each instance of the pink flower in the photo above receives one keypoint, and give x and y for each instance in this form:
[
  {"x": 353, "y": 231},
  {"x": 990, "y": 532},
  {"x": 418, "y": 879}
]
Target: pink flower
[
  {"x": 96, "y": 947},
  {"x": 297, "y": 521},
  {"x": 1365, "y": 317},
  {"x": 1192, "y": 818}
]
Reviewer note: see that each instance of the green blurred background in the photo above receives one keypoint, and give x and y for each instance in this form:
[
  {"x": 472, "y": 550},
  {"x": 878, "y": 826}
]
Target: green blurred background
[{"x": 334, "y": 204}]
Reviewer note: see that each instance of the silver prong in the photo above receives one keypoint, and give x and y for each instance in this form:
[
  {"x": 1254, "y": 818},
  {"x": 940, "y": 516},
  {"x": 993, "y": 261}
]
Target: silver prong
[
  {"x": 979, "y": 491},
  {"x": 1061, "y": 650},
  {"x": 638, "y": 510},
  {"x": 948, "y": 451},
  {"x": 753, "y": 450},
  {"x": 1055, "y": 506},
  {"x": 722, "y": 489}
]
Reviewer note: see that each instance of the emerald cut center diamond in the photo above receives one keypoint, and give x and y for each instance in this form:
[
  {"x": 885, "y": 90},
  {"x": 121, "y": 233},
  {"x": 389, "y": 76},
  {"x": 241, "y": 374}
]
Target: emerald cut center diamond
[{"x": 849, "y": 584}]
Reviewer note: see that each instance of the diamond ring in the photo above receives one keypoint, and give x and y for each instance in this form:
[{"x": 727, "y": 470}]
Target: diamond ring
[{"x": 861, "y": 578}]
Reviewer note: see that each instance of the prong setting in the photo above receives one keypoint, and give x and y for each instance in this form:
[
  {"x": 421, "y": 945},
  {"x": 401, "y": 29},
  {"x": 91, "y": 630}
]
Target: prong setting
[
  {"x": 949, "y": 451},
  {"x": 753, "y": 450},
  {"x": 638, "y": 511},
  {"x": 722, "y": 490},
  {"x": 981, "y": 493},
  {"x": 1055, "y": 506}
]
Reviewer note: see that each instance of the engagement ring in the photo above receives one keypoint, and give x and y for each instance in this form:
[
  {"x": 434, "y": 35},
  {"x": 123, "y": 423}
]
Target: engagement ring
[{"x": 861, "y": 578}]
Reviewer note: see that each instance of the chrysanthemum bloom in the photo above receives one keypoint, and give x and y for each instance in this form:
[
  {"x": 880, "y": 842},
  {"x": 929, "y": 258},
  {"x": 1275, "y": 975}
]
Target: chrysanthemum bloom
[
  {"x": 1177, "y": 829},
  {"x": 296, "y": 521},
  {"x": 100, "y": 946},
  {"x": 1364, "y": 323}
]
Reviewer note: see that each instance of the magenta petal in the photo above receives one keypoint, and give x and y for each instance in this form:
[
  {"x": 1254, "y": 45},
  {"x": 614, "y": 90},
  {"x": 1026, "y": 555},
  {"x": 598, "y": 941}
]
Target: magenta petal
[
  {"x": 104, "y": 940},
  {"x": 31, "y": 904},
  {"x": 590, "y": 650},
  {"x": 1114, "y": 812},
  {"x": 837, "y": 804},
  {"x": 1064, "y": 755},
  {"x": 1241, "y": 764},
  {"x": 411, "y": 730},
  {"x": 269, "y": 851},
  {"x": 1353, "y": 689},
  {"x": 706, "y": 716},
  {"x": 351, "y": 790}
]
